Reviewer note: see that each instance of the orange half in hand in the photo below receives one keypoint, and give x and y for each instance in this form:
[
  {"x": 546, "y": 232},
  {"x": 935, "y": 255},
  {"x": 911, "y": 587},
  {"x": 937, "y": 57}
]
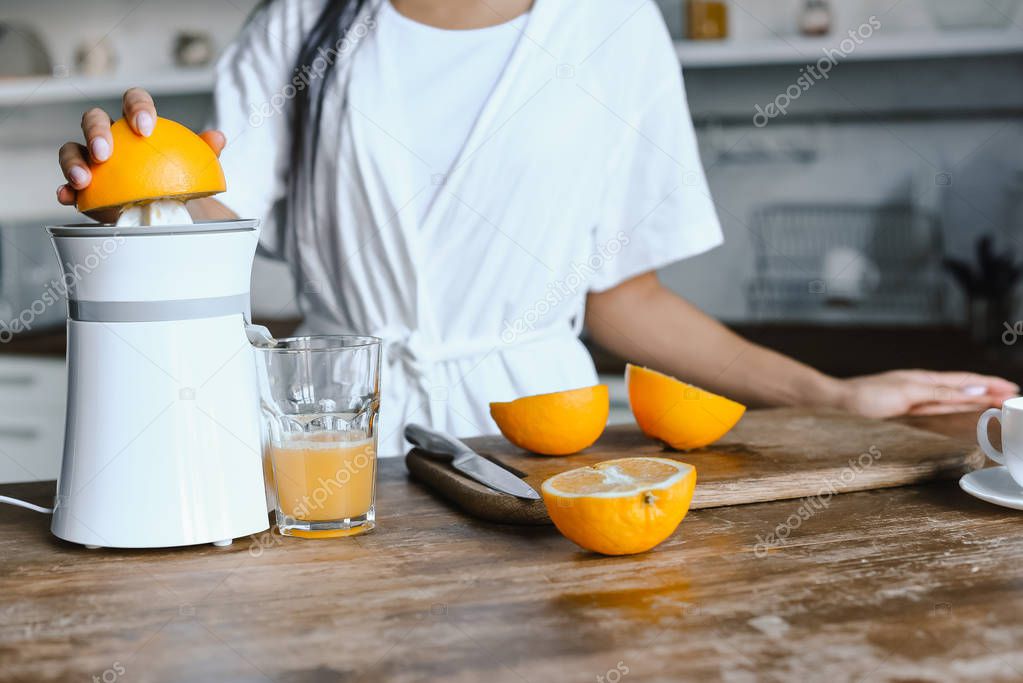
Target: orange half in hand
[
  {"x": 679, "y": 414},
  {"x": 620, "y": 507},
  {"x": 172, "y": 163},
  {"x": 554, "y": 424}
]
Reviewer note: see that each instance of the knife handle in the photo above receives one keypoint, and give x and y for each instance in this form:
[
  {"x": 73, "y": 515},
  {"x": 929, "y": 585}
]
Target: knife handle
[{"x": 431, "y": 441}]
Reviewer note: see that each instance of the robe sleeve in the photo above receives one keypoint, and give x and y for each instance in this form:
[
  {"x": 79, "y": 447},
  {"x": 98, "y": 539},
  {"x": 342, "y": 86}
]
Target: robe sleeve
[
  {"x": 251, "y": 96},
  {"x": 657, "y": 207}
]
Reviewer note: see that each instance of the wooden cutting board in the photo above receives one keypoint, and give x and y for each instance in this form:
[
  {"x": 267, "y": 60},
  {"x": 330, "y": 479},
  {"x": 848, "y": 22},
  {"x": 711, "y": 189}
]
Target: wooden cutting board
[{"x": 771, "y": 454}]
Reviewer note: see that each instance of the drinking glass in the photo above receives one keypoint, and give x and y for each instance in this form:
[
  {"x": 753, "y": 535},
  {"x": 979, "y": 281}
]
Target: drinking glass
[{"x": 320, "y": 398}]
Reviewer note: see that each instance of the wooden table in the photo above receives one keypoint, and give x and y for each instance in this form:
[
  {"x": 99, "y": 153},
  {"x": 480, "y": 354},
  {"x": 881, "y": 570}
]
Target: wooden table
[{"x": 911, "y": 584}]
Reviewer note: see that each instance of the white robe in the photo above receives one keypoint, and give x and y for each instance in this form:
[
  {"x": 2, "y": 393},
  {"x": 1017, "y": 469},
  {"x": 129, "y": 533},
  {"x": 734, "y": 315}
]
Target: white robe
[{"x": 582, "y": 171}]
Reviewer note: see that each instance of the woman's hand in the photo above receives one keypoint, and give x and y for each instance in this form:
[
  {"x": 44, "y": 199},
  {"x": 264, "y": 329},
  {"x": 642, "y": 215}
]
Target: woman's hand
[
  {"x": 140, "y": 113},
  {"x": 921, "y": 392}
]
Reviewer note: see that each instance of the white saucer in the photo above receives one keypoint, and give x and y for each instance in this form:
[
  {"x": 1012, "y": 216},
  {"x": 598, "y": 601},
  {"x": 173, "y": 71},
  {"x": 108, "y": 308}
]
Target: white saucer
[{"x": 995, "y": 485}]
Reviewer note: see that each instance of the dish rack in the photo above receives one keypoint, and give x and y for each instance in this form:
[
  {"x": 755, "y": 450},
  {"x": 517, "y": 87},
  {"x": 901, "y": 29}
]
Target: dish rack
[{"x": 899, "y": 247}]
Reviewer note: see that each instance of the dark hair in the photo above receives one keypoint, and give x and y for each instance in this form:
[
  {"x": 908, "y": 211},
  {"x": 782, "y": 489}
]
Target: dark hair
[
  {"x": 327, "y": 33},
  {"x": 325, "y": 36}
]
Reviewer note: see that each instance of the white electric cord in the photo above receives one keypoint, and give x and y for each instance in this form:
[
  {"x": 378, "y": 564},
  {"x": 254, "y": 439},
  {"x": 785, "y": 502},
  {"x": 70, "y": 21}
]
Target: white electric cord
[{"x": 26, "y": 505}]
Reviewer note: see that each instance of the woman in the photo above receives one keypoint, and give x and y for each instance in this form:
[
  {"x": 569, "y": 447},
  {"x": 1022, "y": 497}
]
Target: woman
[{"x": 470, "y": 180}]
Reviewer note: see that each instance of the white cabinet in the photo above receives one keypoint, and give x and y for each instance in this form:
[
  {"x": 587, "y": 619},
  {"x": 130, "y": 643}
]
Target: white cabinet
[{"x": 32, "y": 396}]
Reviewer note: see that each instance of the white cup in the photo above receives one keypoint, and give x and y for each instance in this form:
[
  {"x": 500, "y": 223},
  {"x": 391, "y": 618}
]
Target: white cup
[{"x": 1011, "y": 455}]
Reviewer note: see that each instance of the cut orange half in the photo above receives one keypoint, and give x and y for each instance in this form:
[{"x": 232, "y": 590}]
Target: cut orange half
[
  {"x": 554, "y": 424},
  {"x": 172, "y": 163},
  {"x": 679, "y": 414},
  {"x": 620, "y": 507}
]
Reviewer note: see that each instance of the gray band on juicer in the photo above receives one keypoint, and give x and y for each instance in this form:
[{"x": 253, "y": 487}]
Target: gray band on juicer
[{"x": 157, "y": 311}]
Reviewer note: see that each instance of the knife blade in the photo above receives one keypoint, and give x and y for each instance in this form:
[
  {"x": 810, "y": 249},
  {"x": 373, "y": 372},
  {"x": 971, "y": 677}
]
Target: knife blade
[{"x": 469, "y": 462}]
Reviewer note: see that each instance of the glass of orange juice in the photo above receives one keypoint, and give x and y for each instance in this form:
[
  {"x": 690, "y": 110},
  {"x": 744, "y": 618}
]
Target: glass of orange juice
[{"x": 320, "y": 402}]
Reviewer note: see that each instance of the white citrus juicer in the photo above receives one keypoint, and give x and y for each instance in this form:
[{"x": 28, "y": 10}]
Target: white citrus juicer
[{"x": 162, "y": 445}]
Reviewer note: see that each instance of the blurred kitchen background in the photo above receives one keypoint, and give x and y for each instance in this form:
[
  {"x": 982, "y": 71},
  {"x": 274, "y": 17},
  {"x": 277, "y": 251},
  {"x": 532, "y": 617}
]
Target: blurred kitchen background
[{"x": 873, "y": 214}]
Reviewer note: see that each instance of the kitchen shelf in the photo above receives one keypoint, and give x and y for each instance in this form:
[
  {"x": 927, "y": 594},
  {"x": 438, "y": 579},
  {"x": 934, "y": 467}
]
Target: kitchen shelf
[
  {"x": 31, "y": 91},
  {"x": 15, "y": 92},
  {"x": 894, "y": 46}
]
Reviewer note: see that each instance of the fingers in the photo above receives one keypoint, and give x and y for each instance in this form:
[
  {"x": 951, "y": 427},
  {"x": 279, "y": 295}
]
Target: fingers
[
  {"x": 933, "y": 399},
  {"x": 994, "y": 384},
  {"x": 976, "y": 389},
  {"x": 944, "y": 408},
  {"x": 968, "y": 380},
  {"x": 66, "y": 196},
  {"x": 972, "y": 396},
  {"x": 139, "y": 111},
  {"x": 972, "y": 393},
  {"x": 215, "y": 139},
  {"x": 96, "y": 127},
  {"x": 919, "y": 392},
  {"x": 75, "y": 167}
]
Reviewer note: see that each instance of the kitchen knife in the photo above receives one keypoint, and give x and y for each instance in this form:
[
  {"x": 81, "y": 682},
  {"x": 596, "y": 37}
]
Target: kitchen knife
[{"x": 469, "y": 462}]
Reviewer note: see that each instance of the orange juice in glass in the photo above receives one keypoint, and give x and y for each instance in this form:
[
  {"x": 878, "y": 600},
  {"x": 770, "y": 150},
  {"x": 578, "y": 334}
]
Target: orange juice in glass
[
  {"x": 320, "y": 406},
  {"x": 323, "y": 476}
]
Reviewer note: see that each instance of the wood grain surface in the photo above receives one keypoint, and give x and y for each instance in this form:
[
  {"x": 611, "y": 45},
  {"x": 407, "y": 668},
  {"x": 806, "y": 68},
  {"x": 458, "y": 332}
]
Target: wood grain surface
[
  {"x": 917, "y": 583},
  {"x": 772, "y": 454}
]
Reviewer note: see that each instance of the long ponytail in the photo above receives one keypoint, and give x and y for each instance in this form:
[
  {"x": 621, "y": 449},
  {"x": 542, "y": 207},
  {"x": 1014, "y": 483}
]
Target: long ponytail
[
  {"x": 328, "y": 33},
  {"x": 326, "y": 43}
]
